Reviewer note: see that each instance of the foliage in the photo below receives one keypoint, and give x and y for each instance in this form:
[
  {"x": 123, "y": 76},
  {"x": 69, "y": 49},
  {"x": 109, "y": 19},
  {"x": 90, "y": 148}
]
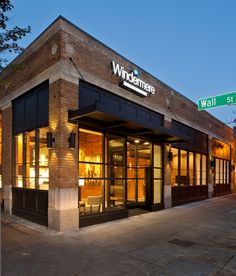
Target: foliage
[{"x": 9, "y": 36}]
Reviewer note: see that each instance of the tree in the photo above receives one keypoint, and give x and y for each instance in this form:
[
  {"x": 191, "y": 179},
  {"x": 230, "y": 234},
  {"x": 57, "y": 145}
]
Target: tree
[{"x": 9, "y": 37}]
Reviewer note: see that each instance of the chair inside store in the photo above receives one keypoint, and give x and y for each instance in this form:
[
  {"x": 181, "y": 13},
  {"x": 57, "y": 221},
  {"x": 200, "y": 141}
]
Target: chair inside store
[{"x": 93, "y": 204}]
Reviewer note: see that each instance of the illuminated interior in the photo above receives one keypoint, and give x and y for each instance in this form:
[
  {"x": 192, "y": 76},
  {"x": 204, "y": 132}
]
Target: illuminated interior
[
  {"x": 138, "y": 166},
  {"x": 105, "y": 163},
  {"x": 188, "y": 168},
  {"x": 31, "y": 160},
  {"x": 221, "y": 157}
]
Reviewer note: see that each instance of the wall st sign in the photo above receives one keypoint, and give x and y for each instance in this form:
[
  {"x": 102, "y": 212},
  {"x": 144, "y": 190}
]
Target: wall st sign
[{"x": 131, "y": 80}]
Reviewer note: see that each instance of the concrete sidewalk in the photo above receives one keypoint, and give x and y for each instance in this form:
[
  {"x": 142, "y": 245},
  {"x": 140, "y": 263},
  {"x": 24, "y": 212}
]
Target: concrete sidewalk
[{"x": 194, "y": 239}]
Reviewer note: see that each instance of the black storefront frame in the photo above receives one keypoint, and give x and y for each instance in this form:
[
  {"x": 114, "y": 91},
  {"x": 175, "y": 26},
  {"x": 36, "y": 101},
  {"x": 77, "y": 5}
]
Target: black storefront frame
[
  {"x": 30, "y": 113},
  {"x": 89, "y": 219},
  {"x": 103, "y": 111}
]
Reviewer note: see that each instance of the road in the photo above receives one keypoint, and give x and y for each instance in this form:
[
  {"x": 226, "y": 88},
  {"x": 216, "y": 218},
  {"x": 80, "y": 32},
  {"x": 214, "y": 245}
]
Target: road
[{"x": 194, "y": 239}]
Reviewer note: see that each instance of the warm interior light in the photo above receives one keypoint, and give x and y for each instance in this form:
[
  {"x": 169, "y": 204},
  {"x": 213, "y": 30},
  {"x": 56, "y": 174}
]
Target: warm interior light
[
  {"x": 146, "y": 143},
  {"x": 136, "y": 141},
  {"x": 42, "y": 160},
  {"x": 81, "y": 182}
]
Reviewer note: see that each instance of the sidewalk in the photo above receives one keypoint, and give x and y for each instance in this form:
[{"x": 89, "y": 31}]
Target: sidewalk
[{"x": 194, "y": 239}]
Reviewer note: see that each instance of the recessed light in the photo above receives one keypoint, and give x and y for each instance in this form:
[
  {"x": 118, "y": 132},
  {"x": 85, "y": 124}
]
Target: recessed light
[
  {"x": 136, "y": 141},
  {"x": 146, "y": 143}
]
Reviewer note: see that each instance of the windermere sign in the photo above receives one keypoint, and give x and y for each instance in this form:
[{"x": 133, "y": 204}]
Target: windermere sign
[
  {"x": 226, "y": 99},
  {"x": 131, "y": 81}
]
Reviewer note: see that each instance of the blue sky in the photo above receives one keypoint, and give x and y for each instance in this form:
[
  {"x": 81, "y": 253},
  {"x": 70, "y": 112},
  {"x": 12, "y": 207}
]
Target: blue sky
[{"x": 188, "y": 44}]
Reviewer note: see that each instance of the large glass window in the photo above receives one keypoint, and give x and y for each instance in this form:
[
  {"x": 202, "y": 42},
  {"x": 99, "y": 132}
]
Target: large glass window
[
  {"x": 204, "y": 170},
  {"x": 191, "y": 168},
  {"x": 42, "y": 180},
  {"x": 31, "y": 160},
  {"x": 198, "y": 169},
  {"x": 30, "y": 146},
  {"x": 114, "y": 170},
  {"x": 18, "y": 173},
  {"x": 175, "y": 167},
  {"x": 158, "y": 178},
  {"x": 90, "y": 171},
  {"x": 222, "y": 171},
  {"x": 188, "y": 168}
]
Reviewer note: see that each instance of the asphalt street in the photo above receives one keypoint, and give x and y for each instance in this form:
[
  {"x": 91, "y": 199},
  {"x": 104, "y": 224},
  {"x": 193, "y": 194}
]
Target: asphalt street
[{"x": 194, "y": 239}]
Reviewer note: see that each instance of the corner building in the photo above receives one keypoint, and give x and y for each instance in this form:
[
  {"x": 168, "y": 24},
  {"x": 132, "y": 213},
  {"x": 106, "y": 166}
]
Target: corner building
[{"x": 87, "y": 135}]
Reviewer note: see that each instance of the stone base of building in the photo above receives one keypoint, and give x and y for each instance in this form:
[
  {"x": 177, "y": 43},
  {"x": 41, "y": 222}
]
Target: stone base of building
[
  {"x": 63, "y": 220},
  {"x": 63, "y": 211},
  {"x": 210, "y": 190},
  {"x": 167, "y": 196},
  {"x": 7, "y": 196}
]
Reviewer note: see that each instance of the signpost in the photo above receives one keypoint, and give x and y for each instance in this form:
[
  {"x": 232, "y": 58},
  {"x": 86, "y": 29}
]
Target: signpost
[{"x": 215, "y": 101}]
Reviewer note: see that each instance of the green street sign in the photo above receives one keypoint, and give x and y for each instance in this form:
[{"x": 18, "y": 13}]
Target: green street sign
[{"x": 211, "y": 102}]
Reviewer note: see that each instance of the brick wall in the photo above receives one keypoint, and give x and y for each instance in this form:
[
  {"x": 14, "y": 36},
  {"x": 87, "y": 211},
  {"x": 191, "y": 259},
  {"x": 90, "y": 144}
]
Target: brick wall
[
  {"x": 62, "y": 96},
  {"x": 16, "y": 75},
  {"x": 93, "y": 57},
  {"x": 7, "y": 146},
  {"x": 63, "y": 40}
]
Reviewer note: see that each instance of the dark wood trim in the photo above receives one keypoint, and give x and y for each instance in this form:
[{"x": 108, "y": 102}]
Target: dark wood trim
[
  {"x": 185, "y": 194},
  {"x": 221, "y": 189},
  {"x": 31, "y": 204}
]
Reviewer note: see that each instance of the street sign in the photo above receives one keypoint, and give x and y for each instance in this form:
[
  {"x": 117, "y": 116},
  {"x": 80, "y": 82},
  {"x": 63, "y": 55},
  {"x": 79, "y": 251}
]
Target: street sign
[{"x": 226, "y": 99}]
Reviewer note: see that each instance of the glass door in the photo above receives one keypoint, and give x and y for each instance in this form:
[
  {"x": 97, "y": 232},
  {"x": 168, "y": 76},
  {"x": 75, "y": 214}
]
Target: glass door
[
  {"x": 115, "y": 172},
  {"x": 138, "y": 170}
]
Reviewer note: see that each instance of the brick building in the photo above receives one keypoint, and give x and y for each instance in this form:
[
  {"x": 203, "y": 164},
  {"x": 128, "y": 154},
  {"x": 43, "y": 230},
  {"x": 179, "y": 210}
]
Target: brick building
[{"x": 88, "y": 135}]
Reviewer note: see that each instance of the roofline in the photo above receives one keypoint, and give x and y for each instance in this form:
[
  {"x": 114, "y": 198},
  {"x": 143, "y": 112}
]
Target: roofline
[{"x": 60, "y": 17}]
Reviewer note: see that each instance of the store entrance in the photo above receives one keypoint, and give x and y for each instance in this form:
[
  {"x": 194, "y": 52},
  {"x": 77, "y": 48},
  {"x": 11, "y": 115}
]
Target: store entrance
[{"x": 138, "y": 172}]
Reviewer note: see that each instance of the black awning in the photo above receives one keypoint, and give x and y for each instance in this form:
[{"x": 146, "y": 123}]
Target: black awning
[{"x": 104, "y": 117}]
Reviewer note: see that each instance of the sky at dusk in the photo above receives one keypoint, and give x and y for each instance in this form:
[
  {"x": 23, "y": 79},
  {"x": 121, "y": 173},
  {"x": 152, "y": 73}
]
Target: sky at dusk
[{"x": 190, "y": 45}]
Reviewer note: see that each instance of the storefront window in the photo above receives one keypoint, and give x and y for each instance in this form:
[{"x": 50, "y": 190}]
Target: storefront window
[
  {"x": 204, "y": 170},
  {"x": 107, "y": 163},
  {"x": 198, "y": 169},
  {"x": 188, "y": 168},
  {"x": 31, "y": 160},
  {"x": 222, "y": 171},
  {"x": 157, "y": 174},
  {"x": 43, "y": 177},
  {"x": 217, "y": 171},
  {"x": 90, "y": 171},
  {"x": 19, "y": 161},
  {"x": 191, "y": 168},
  {"x": 175, "y": 167}
]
